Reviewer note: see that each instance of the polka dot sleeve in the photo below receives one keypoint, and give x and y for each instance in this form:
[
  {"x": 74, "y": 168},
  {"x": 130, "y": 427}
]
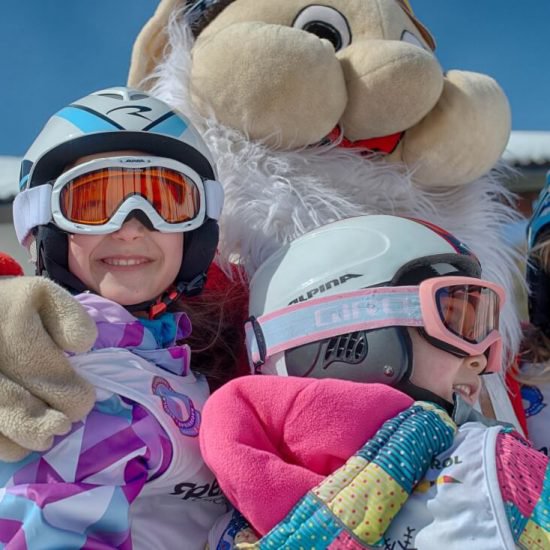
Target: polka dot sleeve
[{"x": 524, "y": 479}]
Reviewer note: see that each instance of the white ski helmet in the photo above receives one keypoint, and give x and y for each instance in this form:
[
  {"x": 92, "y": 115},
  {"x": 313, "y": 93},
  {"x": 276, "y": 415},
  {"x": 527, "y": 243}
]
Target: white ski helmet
[
  {"x": 348, "y": 255},
  {"x": 115, "y": 119}
]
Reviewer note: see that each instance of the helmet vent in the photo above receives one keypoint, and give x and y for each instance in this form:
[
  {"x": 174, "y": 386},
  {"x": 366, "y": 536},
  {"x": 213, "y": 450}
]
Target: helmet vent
[
  {"x": 349, "y": 348},
  {"x": 112, "y": 96},
  {"x": 134, "y": 97}
]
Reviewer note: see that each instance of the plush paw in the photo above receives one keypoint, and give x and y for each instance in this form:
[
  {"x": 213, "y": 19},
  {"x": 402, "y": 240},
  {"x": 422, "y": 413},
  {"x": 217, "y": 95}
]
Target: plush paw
[
  {"x": 463, "y": 136},
  {"x": 293, "y": 97},
  {"x": 40, "y": 393},
  {"x": 28, "y": 422}
]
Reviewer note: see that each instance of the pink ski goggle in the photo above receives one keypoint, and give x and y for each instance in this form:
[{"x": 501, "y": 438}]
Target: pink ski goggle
[{"x": 461, "y": 313}]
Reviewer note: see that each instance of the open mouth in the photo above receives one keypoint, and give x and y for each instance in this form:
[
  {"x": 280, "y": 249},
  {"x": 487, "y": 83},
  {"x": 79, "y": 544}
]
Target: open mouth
[{"x": 466, "y": 391}]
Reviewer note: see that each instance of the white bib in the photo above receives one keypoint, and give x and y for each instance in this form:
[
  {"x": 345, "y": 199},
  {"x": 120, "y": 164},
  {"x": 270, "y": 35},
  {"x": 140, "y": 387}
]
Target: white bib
[
  {"x": 458, "y": 505},
  {"x": 178, "y": 508}
]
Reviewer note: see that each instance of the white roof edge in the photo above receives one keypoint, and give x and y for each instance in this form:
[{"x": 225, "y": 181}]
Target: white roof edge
[
  {"x": 526, "y": 148},
  {"x": 9, "y": 177}
]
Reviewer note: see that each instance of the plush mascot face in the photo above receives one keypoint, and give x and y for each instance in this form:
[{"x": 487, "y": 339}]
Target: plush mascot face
[
  {"x": 293, "y": 73},
  {"x": 350, "y": 65},
  {"x": 291, "y": 96}
]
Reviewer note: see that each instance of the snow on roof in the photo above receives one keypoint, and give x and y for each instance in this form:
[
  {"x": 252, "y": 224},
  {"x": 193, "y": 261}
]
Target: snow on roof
[
  {"x": 530, "y": 149},
  {"x": 9, "y": 177}
]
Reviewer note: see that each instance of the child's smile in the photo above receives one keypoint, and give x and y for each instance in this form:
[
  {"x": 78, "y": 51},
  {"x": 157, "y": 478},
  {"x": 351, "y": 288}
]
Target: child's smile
[
  {"x": 126, "y": 261},
  {"x": 469, "y": 392},
  {"x": 130, "y": 266},
  {"x": 444, "y": 374}
]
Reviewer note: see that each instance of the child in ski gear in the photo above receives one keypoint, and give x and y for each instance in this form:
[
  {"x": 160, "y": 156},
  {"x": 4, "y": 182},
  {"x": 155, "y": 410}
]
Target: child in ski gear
[
  {"x": 397, "y": 302},
  {"x": 534, "y": 370},
  {"x": 96, "y": 184},
  {"x": 122, "y": 211}
]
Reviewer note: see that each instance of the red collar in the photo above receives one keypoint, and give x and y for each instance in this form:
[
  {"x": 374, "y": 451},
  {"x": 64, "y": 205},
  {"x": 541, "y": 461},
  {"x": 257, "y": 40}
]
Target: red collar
[{"x": 384, "y": 144}]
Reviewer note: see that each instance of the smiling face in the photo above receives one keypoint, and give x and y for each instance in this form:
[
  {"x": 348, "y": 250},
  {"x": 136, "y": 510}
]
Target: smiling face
[
  {"x": 444, "y": 374},
  {"x": 131, "y": 265}
]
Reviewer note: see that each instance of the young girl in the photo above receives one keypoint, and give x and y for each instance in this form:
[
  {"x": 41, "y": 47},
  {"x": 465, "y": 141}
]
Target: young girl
[
  {"x": 379, "y": 300},
  {"x": 535, "y": 367},
  {"x": 119, "y": 205}
]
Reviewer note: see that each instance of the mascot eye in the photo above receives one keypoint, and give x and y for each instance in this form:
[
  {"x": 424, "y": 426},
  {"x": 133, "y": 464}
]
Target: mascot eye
[
  {"x": 326, "y": 23},
  {"x": 412, "y": 39}
]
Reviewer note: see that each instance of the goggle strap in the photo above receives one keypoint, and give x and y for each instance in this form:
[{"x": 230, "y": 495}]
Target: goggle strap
[
  {"x": 31, "y": 208},
  {"x": 328, "y": 317},
  {"x": 214, "y": 194}
]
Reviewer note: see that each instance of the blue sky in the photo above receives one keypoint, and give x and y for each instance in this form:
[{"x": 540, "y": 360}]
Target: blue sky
[{"x": 54, "y": 51}]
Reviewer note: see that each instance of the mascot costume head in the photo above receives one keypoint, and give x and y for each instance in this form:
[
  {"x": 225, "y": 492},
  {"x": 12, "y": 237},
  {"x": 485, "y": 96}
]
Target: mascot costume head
[{"x": 321, "y": 111}]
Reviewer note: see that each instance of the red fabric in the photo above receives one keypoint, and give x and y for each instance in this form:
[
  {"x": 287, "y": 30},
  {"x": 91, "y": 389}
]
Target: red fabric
[
  {"x": 237, "y": 287},
  {"x": 217, "y": 279},
  {"x": 9, "y": 267},
  {"x": 383, "y": 144},
  {"x": 270, "y": 439},
  {"x": 514, "y": 393}
]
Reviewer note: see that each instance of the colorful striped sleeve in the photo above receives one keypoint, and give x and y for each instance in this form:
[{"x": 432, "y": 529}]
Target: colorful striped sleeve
[{"x": 78, "y": 494}]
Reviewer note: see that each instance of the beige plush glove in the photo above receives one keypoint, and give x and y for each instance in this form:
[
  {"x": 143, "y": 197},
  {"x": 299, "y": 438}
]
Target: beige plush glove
[{"x": 40, "y": 393}]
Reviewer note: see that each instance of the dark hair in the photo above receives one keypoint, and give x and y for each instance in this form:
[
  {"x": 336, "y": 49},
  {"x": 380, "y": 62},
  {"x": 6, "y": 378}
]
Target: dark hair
[
  {"x": 217, "y": 342},
  {"x": 535, "y": 347}
]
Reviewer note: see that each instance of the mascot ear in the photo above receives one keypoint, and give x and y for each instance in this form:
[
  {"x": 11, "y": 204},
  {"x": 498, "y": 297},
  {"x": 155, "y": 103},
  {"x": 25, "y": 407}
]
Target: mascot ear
[
  {"x": 426, "y": 34},
  {"x": 149, "y": 46},
  {"x": 9, "y": 267}
]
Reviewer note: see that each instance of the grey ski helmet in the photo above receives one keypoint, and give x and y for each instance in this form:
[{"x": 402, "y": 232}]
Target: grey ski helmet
[{"x": 348, "y": 255}]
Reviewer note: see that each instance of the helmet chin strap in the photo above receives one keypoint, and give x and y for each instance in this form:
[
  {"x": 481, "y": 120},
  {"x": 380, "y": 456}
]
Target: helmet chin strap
[
  {"x": 464, "y": 412},
  {"x": 459, "y": 410},
  {"x": 157, "y": 307},
  {"x": 422, "y": 394}
]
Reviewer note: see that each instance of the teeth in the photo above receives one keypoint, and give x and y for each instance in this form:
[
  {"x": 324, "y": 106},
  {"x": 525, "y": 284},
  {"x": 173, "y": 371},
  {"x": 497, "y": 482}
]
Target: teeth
[
  {"x": 120, "y": 261},
  {"x": 462, "y": 388}
]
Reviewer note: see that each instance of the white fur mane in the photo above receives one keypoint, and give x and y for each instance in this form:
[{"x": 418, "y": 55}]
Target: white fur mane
[{"x": 274, "y": 196}]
